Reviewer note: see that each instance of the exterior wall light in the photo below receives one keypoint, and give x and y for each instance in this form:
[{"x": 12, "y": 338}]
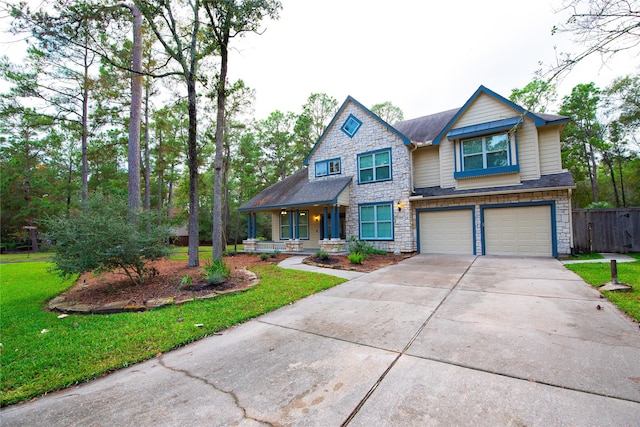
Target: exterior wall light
[{"x": 400, "y": 205}]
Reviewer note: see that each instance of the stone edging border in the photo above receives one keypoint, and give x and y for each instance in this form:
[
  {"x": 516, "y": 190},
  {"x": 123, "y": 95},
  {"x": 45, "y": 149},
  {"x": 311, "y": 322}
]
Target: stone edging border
[{"x": 59, "y": 304}]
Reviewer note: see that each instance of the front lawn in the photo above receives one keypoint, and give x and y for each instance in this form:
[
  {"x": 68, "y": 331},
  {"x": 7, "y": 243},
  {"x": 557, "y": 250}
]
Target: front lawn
[
  {"x": 41, "y": 352},
  {"x": 598, "y": 273}
]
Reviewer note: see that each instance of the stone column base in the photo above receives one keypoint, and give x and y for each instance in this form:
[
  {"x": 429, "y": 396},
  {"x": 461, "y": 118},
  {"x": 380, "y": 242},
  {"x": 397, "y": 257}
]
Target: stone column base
[
  {"x": 333, "y": 245},
  {"x": 250, "y": 245},
  {"x": 294, "y": 246}
]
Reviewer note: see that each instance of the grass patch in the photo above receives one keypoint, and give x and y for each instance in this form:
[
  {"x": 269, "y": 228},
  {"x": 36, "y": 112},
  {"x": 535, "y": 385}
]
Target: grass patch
[
  {"x": 598, "y": 273},
  {"x": 81, "y": 347},
  {"x": 581, "y": 257},
  {"x": 26, "y": 257}
]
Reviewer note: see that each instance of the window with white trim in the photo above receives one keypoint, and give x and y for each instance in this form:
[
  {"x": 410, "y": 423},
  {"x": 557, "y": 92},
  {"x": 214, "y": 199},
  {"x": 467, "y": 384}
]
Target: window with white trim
[
  {"x": 285, "y": 226},
  {"x": 373, "y": 167},
  {"x": 328, "y": 167},
  {"x": 485, "y": 152},
  {"x": 303, "y": 225},
  {"x": 376, "y": 221}
]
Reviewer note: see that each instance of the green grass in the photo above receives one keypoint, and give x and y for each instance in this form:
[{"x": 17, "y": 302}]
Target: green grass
[
  {"x": 33, "y": 363},
  {"x": 582, "y": 257},
  {"x": 25, "y": 257},
  {"x": 598, "y": 273}
]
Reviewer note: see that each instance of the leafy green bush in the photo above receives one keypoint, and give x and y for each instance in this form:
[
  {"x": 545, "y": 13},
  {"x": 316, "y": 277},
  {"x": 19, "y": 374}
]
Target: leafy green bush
[
  {"x": 264, "y": 256},
  {"x": 323, "y": 255},
  {"x": 216, "y": 272},
  {"x": 103, "y": 239},
  {"x": 355, "y": 258},
  {"x": 363, "y": 247},
  {"x": 229, "y": 252}
]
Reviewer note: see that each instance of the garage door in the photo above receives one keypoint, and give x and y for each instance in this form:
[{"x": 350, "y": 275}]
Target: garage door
[
  {"x": 518, "y": 231},
  {"x": 446, "y": 232}
]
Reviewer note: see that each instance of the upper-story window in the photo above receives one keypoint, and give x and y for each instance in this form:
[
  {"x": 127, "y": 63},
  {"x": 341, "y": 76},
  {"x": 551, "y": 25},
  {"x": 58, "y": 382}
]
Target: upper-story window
[
  {"x": 485, "y": 152},
  {"x": 374, "y": 166},
  {"x": 489, "y": 148},
  {"x": 351, "y": 126},
  {"x": 328, "y": 167}
]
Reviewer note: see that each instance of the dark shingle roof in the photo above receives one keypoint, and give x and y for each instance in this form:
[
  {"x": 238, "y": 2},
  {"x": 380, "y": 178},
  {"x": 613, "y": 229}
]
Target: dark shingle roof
[
  {"x": 558, "y": 180},
  {"x": 425, "y": 128},
  {"x": 296, "y": 190}
]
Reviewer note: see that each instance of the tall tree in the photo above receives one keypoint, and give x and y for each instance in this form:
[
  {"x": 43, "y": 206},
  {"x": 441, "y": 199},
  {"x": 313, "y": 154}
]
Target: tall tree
[
  {"x": 535, "y": 96},
  {"x": 178, "y": 29},
  {"x": 388, "y": 112},
  {"x": 228, "y": 19},
  {"x": 584, "y": 135}
]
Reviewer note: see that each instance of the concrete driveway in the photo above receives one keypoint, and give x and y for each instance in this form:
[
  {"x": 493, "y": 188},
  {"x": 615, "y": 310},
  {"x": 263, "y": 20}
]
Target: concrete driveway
[{"x": 435, "y": 340}]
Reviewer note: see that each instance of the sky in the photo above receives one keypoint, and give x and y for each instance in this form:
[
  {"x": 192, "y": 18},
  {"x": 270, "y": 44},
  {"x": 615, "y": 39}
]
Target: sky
[{"x": 422, "y": 56}]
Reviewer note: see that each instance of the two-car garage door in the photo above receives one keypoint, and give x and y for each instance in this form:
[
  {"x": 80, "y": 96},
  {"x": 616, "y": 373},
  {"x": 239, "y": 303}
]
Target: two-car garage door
[{"x": 511, "y": 230}]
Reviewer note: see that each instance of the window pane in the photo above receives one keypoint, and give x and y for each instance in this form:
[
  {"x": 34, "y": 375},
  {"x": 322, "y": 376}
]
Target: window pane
[
  {"x": 284, "y": 232},
  {"x": 473, "y": 162},
  {"x": 321, "y": 168},
  {"x": 383, "y": 172},
  {"x": 384, "y": 212},
  {"x": 367, "y": 213},
  {"x": 284, "y": 218},
  {"x": 384, "y": 230},
  {"x": 366, "y": 161},
  {"x": 497, "y": 142},
  {"x": 334, "y": 167},
  {"x": 366, "y": 175},
  {"x": 497, "y": 159},
  {"x": 382, "y": 158},
  {"x": 304, "y": 231},
  {"x": 303, "y": 218},
  {"x": 368, "y": 231},
  {"x": 472, "y": 146}
]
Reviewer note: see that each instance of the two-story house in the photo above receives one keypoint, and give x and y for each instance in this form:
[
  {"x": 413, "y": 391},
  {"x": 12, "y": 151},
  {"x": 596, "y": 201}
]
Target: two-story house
[{"x": 484, "y": 179}]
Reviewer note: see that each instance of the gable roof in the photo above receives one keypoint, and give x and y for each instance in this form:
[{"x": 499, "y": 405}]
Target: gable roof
[
  {"x": 404, "y": 139},
  {"x": 296, "y": 190},
  {"x": 434, "y": 127}
]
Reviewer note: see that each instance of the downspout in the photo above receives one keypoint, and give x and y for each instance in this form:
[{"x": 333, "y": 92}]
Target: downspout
[
  {"x": 572, "y": 250},
  {"x": 415, "y": 147}
]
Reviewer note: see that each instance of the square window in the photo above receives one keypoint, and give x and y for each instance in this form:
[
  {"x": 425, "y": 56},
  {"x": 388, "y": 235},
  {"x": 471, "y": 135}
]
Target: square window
[
  {"x": 321, "y": 168},
  {"x": 376, "y": 222},
  {"x": 351, "y": 126},
  {"x": 374, "y": 167}
]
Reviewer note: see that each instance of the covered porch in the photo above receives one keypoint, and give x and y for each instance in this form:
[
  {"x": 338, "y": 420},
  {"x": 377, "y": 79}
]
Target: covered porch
[{"x": 305, "y": 216}]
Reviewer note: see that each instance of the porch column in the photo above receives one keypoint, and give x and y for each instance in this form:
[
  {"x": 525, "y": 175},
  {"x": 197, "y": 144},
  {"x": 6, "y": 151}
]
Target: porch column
[
  {"x": 254, "y": 232},
  {"x": 335, "y": 222},
  {"x": 296, "y": 219},
  {"x": 249, "y": 215},
  {"x": 325, "y": 224},
  {"x": 290, "y": 225}
]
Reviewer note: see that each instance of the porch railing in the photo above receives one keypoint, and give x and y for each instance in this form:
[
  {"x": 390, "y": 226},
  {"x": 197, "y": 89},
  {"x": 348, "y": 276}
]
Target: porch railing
[{"x": 270, "y": 246}]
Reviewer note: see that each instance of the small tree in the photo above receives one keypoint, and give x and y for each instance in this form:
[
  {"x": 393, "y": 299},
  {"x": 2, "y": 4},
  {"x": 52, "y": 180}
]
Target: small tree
[{"x": 103, "y": 239}]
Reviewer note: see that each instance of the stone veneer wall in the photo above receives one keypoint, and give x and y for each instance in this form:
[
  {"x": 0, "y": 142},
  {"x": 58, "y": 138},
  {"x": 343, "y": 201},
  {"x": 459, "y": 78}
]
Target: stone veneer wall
[
  {"x": 371, "y": 136},
  {"x": 563, "y": 215}
]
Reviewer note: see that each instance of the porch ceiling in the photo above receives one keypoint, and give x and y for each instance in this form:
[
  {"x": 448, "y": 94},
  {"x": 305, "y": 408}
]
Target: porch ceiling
[{"x": 296, "y": 190}]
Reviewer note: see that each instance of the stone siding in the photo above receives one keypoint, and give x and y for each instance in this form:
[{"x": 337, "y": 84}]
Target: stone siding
[{"x": 371, "y": 136}]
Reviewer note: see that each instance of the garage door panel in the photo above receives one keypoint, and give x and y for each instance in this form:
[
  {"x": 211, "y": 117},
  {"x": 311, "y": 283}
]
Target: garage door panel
[
  {"x": 447, "y": 232},
  {"x": 524, "y": 230}
]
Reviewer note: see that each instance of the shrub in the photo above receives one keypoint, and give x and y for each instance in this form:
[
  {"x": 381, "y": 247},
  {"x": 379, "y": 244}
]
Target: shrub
[
  {"x": 363, "y": 247},
  {"x": 216, "y": 272},
  {"x": 103, "y": 239},
  {"x": 229, "y": 252},
  {"x": 264, "y": 256},
  {"x": 355, "y": 258},
  {"x": 323, "y": 255}
]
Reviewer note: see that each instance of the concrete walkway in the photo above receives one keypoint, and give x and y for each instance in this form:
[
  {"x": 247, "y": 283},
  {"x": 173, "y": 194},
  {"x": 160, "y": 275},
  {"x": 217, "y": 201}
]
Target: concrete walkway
[{"x": 435, "y": 340}]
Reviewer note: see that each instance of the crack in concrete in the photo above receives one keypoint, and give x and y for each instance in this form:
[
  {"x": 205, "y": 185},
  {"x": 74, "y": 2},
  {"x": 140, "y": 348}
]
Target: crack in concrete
[
  {"x": 404, "y": 350},
  {"x": 233, "y": 396}
]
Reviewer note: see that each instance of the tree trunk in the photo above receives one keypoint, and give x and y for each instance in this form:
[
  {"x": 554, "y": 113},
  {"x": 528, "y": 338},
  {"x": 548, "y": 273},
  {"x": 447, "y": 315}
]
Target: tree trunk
[
  {"x": 147, "y": 161},
  {"x": 194, "y": 238},
  {"x": 218, "y": 172},
  {"x": 160, "y": 170},
  {"x": 84, "y": 192},
  {"x": 134, "y": 122},
  {"x": 593, "y": 173}
]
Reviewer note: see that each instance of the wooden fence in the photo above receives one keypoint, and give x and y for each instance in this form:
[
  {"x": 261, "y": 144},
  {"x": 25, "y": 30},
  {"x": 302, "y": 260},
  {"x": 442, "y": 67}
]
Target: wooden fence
[{"x": 606, "y": 230}]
